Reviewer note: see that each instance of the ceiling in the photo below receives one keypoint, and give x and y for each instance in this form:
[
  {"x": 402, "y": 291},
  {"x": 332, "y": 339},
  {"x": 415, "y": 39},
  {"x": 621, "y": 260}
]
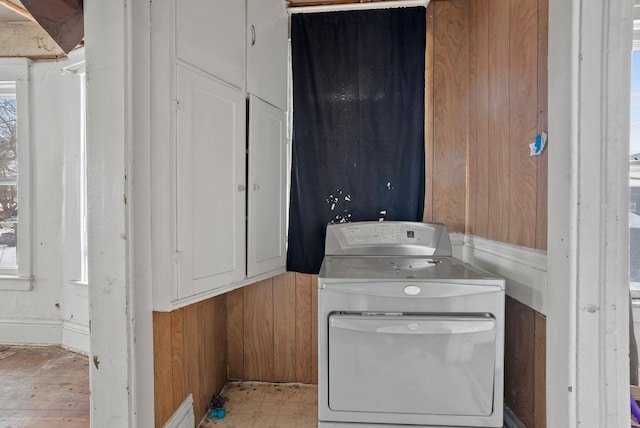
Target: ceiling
[
  {"x": 40, "y": 28},
  {"x": 7, "y": 14}
]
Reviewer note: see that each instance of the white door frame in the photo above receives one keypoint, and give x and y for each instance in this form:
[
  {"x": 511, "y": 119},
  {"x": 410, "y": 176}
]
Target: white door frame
[
  {"x": 118, "y": 144},
  {"x": 587, "y": 322}
]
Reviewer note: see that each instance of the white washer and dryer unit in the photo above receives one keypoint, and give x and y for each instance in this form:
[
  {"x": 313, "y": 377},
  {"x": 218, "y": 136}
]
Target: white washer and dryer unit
[{"x": 407, "y": 334}]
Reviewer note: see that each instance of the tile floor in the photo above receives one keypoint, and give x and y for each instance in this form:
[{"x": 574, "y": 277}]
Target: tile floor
[{"x": 267, "y": 405}]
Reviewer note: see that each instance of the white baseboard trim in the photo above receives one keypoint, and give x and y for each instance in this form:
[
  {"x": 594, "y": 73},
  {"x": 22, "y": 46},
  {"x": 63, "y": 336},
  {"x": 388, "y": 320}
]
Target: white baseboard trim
[
  {"x": 183, "y": 417},
  {"x": 75, "y": 336},
  {"x": 30, "y": 332},
  {"x": 524, "y": 269}
]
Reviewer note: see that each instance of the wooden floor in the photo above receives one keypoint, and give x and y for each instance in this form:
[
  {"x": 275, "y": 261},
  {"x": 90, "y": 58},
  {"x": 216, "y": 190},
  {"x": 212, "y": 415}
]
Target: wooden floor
[{"x": 43, "y": 387}]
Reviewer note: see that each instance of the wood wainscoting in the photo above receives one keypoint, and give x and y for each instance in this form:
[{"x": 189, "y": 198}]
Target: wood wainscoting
[
  {"x": 265, "y": 331},
  {"x": 525, "y": 363},
  {"x": 272, "y": 330},
  {"x": 189, "y": 356}
]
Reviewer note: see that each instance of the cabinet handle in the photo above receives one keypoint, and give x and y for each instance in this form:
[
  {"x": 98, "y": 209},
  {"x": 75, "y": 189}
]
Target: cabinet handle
[
  {"x": 256, "y": 186},
  {"x": 242, "y": 188},
  {"x": 253, "y": 34}
]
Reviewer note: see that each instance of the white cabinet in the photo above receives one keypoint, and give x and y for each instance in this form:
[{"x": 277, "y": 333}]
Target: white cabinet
[
  {"x": 267, "y": 187},
  {"x": 210, "y": 175},
  {"x": 267, "y": 42},
  {"x": 210, "y": 35},
  {"x": 218, "y": 198}
]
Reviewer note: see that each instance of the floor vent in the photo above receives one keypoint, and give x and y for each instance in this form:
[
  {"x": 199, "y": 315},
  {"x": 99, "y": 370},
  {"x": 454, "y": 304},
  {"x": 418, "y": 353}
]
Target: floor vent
[{"x": 511, "y": 420}]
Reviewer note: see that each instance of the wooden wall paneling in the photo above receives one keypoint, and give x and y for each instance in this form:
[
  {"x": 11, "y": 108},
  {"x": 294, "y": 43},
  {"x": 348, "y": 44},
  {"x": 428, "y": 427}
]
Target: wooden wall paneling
[
  {"x": 428, "y": 116},
  {"x": 258, "y": 331},
  {"x": 235, "y": 334},
  {"x": 206, "y": 355},
  {"x": 523, "y": 121},
  {"x": 481, "y": 187},
  {"x": 314, "y": 329},
  {"x": 541, "y": 205},
  {"x": 303, "y": 327},
  {"x": 519, "y": 360},
  {"x": 450, "y": 74},
  {"x": 177, "y": 358},
  {"x": 219, "y": 345},
  {"x": 190, "y": 356},
  {"x": 499, "y": 109},
  {"x": 284, "y": 327},
  {"x": 540, "y": 372},
  {"x": 472, "y": 175},
  {"x": 162, "y": 375}
]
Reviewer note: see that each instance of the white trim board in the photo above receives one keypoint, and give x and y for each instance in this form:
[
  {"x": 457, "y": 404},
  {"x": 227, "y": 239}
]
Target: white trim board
[
  {"x": 183, "y": 417},
  {"x": 75, "y": 336},
  {"x": 524, "y": 269},
  {"x": 358, "y": 6},
  {"x": 30, "y": 332}
]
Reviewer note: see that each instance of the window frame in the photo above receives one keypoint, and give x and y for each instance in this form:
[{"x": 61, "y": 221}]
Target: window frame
[{"x": 20, "y": 278}]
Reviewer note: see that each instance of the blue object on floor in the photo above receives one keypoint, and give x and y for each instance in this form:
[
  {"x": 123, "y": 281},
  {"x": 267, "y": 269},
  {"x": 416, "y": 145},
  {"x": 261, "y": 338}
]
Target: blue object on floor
[{"x": 217, "y": 413}]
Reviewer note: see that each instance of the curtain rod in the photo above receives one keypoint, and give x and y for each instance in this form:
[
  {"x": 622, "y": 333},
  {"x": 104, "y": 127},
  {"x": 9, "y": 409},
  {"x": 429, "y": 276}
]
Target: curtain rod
[{"x": 357, "y": 6}]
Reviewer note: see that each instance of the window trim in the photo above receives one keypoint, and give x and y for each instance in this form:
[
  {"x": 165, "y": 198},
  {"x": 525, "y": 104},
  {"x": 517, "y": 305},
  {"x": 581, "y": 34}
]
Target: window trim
[
  {"x": 20, "y": 279},
  {"x": 78, "y": 270}
]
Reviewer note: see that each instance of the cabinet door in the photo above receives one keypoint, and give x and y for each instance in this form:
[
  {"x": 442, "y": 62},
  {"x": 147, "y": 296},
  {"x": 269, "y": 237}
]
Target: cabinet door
[
  {"x": 210, "y": 35},
  {"x": 267, "y": 38},
  {"x": 267, "y": 188},
  {"x": 210, "y": 191}
]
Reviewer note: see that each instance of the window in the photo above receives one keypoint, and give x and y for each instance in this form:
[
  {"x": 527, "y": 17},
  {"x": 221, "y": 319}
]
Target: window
[
  {"x": 8, "y": 175},
  {"x": 15, "y": 224}
]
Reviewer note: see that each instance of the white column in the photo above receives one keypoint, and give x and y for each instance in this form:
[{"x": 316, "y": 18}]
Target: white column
[
  {"x": 587, "y": 323},
  {"x": 121, "y": 360}
]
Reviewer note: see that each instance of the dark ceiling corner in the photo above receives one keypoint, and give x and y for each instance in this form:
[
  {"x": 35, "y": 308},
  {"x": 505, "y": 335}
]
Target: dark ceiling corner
[{"x": 61, "y": 19}]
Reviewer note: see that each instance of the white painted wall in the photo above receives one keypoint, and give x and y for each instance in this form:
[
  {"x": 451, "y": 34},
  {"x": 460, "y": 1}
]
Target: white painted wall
[{"x": 55, "y": 311}]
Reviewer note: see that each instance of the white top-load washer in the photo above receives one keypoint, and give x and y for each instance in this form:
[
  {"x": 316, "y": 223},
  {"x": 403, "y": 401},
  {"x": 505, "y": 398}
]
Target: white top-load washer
[{"x": 407, "y": 334}]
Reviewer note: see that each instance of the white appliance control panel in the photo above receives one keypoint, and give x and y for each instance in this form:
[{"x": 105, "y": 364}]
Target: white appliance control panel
[{"x": 372, "y": 238}]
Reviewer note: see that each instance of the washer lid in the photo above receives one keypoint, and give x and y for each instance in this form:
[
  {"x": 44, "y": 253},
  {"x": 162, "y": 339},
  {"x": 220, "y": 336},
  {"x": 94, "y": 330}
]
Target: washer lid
[
  {"x": 412, "y": 270},
  {"x": 387, "y": 238}
]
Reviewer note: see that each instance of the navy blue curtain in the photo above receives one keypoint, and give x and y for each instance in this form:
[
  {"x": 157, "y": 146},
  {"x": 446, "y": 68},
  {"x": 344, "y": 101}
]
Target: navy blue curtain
[{"x": 358, "y": 114}]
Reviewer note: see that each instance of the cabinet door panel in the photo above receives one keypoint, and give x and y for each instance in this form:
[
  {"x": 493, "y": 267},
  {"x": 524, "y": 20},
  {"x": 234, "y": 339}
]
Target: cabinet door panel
[
  {"x": 267, "y": 188},
  {"x": 267, "y": 51},
  {"x": 210, "y": 36},
  {"x": 210, "y": 168}
]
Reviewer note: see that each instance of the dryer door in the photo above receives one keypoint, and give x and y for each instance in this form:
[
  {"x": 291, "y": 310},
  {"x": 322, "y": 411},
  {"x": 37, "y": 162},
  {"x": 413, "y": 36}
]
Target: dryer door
[{"x": 419, "y": 364}]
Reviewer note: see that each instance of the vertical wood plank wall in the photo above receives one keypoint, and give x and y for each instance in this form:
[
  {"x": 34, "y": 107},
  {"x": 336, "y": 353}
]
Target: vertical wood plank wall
[
  {"x": 507, "y": 188},
  {"x": 448, "y": 64},
  {"x": 190, "y": 356},
  {"x": 525, "y": 354},
  {"x": 272, "y": 330}
]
